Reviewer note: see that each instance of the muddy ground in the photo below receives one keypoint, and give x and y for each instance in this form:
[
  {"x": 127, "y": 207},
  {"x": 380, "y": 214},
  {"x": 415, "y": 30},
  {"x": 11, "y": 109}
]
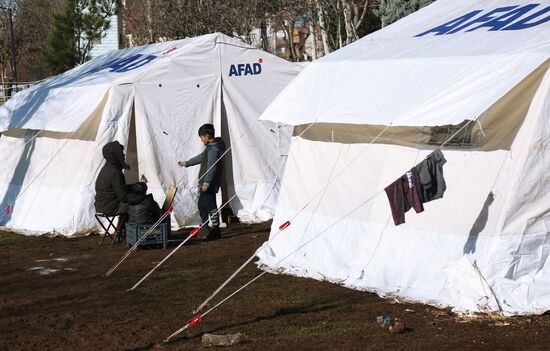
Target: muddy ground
[{"x": 54, "y": 296}]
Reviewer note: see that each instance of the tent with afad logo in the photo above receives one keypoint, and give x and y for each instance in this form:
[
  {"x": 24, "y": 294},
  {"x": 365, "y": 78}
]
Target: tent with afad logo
[
  {"x": 152, "y": 99},
  {"x": 469, "y": 78}
]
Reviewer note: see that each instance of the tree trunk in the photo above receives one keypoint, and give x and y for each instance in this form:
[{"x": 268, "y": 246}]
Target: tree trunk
[
  {"x": 358, "y": 18},
  {"x": 323, "y": 27},
  {"x": 348, "y": 21},
  {"x": 339, "y": 30},
  {"x": 263, "y": 35},
  {"x": 313, "y": 42},
  {"x": 291, "y": 40},
  {"x": 149, "y": 17},
  {"x": 311, "y": 27}
]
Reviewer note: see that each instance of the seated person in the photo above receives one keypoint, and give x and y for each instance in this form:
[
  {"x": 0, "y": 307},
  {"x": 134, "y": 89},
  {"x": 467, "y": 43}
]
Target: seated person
[
  {"x": 145, "y": 212},
  {"x": 111, "y": 191}
]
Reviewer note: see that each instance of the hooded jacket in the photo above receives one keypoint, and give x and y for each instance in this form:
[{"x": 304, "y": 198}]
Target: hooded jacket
[
  {"x": 207, "y": 159},
  {"x": 145, "y": 212},
  {"x": 110, "y": 186}
]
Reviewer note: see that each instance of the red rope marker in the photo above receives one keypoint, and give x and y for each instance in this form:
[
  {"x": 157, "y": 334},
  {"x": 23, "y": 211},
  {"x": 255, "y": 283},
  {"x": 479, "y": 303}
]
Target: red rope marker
[
  {"x": 284, "y": 225},
  {"x": 194, "y": 232},
  {"x": 170, "y": 210},
  {"x": 194, "y": 321},
  {"x": 169, "y": 51}
]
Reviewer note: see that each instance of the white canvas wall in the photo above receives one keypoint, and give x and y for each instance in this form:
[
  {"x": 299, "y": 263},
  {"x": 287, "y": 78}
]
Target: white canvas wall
[
  {"x": 168, "y": 91},
  {"x": 482, "y": 247},
  {"x": 49, "y": 179}
]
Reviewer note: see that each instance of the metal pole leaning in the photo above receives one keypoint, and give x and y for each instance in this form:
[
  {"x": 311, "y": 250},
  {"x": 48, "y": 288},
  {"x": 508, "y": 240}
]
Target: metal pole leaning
[
  {"x": 194, "y": 321},
  {"x": 198, "y": 318},
  {"x": 154, "y": 226},
  {"x": 143, "y": 237},
  {"x": 177, "y": 183},
  {"x": 281, "y": 228},
  {"x": 225, "y": 283},
  {"x": 193, "y": 233}
]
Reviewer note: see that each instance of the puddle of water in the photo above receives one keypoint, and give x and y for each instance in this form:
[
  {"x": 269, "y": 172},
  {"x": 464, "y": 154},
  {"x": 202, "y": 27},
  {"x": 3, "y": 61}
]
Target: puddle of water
[
  {"x": 35, "y": 268},
  {"x": 47, "y": 271},
  {"x": 58, "y": 259}
]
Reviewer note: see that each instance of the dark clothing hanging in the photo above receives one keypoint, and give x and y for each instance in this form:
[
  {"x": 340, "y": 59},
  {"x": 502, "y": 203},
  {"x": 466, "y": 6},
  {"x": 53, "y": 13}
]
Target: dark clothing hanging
[
  {"x": 403, "y": 194},
  {"x": 430, "y": 172}
]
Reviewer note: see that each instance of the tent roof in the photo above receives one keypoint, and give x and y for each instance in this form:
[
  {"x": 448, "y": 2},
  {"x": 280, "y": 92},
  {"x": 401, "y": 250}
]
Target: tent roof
[
  {"x": 445, "y": 63},
  {"x": 75, "y": 94}
]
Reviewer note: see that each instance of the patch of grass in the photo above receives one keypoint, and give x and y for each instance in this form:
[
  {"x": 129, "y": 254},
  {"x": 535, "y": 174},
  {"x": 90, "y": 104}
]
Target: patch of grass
[{"x": 10, "y": 239}]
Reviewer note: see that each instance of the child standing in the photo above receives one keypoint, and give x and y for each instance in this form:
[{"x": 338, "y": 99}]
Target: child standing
[{"x": 210, "y": 177}]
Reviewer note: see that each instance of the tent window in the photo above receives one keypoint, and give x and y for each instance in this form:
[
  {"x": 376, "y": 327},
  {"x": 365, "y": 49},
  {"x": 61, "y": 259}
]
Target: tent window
[{"x": 469, "y": 137}]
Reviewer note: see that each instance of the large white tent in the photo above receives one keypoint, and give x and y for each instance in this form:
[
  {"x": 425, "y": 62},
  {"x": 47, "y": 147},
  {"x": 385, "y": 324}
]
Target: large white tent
[
  {"x": 152, "y": 99},
  {"x": 468, "y": 76}
]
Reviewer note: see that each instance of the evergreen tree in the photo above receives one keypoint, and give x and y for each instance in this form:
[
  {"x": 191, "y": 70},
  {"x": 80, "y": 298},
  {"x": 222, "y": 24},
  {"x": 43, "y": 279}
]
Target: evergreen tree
[
  {"x": 82, "y": 23},
  {"x": 392, "y": 10}
]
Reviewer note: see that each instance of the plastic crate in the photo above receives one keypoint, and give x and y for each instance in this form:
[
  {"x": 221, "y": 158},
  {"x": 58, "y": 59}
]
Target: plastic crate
[{"x": 159, "y": 235}]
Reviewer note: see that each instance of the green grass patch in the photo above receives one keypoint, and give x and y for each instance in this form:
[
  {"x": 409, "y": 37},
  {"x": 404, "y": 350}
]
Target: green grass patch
[{"x": 10, "y": 239}]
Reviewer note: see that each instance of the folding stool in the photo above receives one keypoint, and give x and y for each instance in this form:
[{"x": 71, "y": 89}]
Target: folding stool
[{"x": 111, "y": 230}]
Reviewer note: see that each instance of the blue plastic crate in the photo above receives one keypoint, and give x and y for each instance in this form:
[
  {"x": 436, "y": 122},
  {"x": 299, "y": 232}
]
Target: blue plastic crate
[{"x": 159, "y": 235}]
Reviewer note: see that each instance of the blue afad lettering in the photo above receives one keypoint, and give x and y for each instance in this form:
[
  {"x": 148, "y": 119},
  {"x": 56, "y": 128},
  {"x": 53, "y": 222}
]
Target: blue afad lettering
[
  {"x": 245, "y": 69},
  {"x": 502, "y": 18},
  {"x": 125, "y": 64}
]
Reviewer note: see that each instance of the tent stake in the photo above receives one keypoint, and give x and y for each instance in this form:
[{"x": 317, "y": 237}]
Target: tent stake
[
  {"x": 193, "y": 233},
  {"x": 143, "y": 237}
]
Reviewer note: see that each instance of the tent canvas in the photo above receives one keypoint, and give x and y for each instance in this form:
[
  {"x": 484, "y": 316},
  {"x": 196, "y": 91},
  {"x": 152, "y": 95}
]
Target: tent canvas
[
  {"x": 152, "y": 99},
  {"x": 379, "y": 106}
]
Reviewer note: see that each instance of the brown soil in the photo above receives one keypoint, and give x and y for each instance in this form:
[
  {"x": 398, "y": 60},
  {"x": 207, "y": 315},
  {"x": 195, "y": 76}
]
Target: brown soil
[{"x": 76, "y": 307}]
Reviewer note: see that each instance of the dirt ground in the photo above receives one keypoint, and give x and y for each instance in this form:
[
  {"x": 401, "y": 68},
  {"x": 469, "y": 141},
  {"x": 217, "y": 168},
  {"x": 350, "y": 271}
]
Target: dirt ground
[{"x": 54, "y": 296}]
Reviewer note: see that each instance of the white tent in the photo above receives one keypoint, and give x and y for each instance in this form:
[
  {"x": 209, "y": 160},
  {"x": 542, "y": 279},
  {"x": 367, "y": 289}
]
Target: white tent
[
  {"x": 470, "y": 73},
  {"x": 152, "y": 99}
]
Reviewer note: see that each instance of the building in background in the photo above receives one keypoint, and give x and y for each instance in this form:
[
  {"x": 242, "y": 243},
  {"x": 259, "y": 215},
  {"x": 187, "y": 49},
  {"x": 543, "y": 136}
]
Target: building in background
[{"x": 112, "y": 39}]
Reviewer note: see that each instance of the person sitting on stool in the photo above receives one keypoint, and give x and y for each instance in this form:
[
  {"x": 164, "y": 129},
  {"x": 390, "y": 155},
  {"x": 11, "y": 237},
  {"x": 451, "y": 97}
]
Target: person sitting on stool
[{"x": 111, "y": 192}]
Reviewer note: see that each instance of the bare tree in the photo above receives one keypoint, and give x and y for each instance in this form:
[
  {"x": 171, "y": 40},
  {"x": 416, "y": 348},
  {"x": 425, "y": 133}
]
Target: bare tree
[
  {"x": 323, "y": 26},
  {"x": 32, "y": 23},
  {"x": 353, "y": 17},
  {"x": 339, "y": 22},
  {"x": 311, "y": 26}
]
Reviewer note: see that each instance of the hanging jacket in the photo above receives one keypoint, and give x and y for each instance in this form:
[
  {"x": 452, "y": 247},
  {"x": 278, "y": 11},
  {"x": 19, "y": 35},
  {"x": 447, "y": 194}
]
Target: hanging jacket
[
  {"x": 110, "y": 185},
  {"x": 207, "y": 160},
  {"x": 430, "y": 172},
  {"x": 403, "y": 194}
]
